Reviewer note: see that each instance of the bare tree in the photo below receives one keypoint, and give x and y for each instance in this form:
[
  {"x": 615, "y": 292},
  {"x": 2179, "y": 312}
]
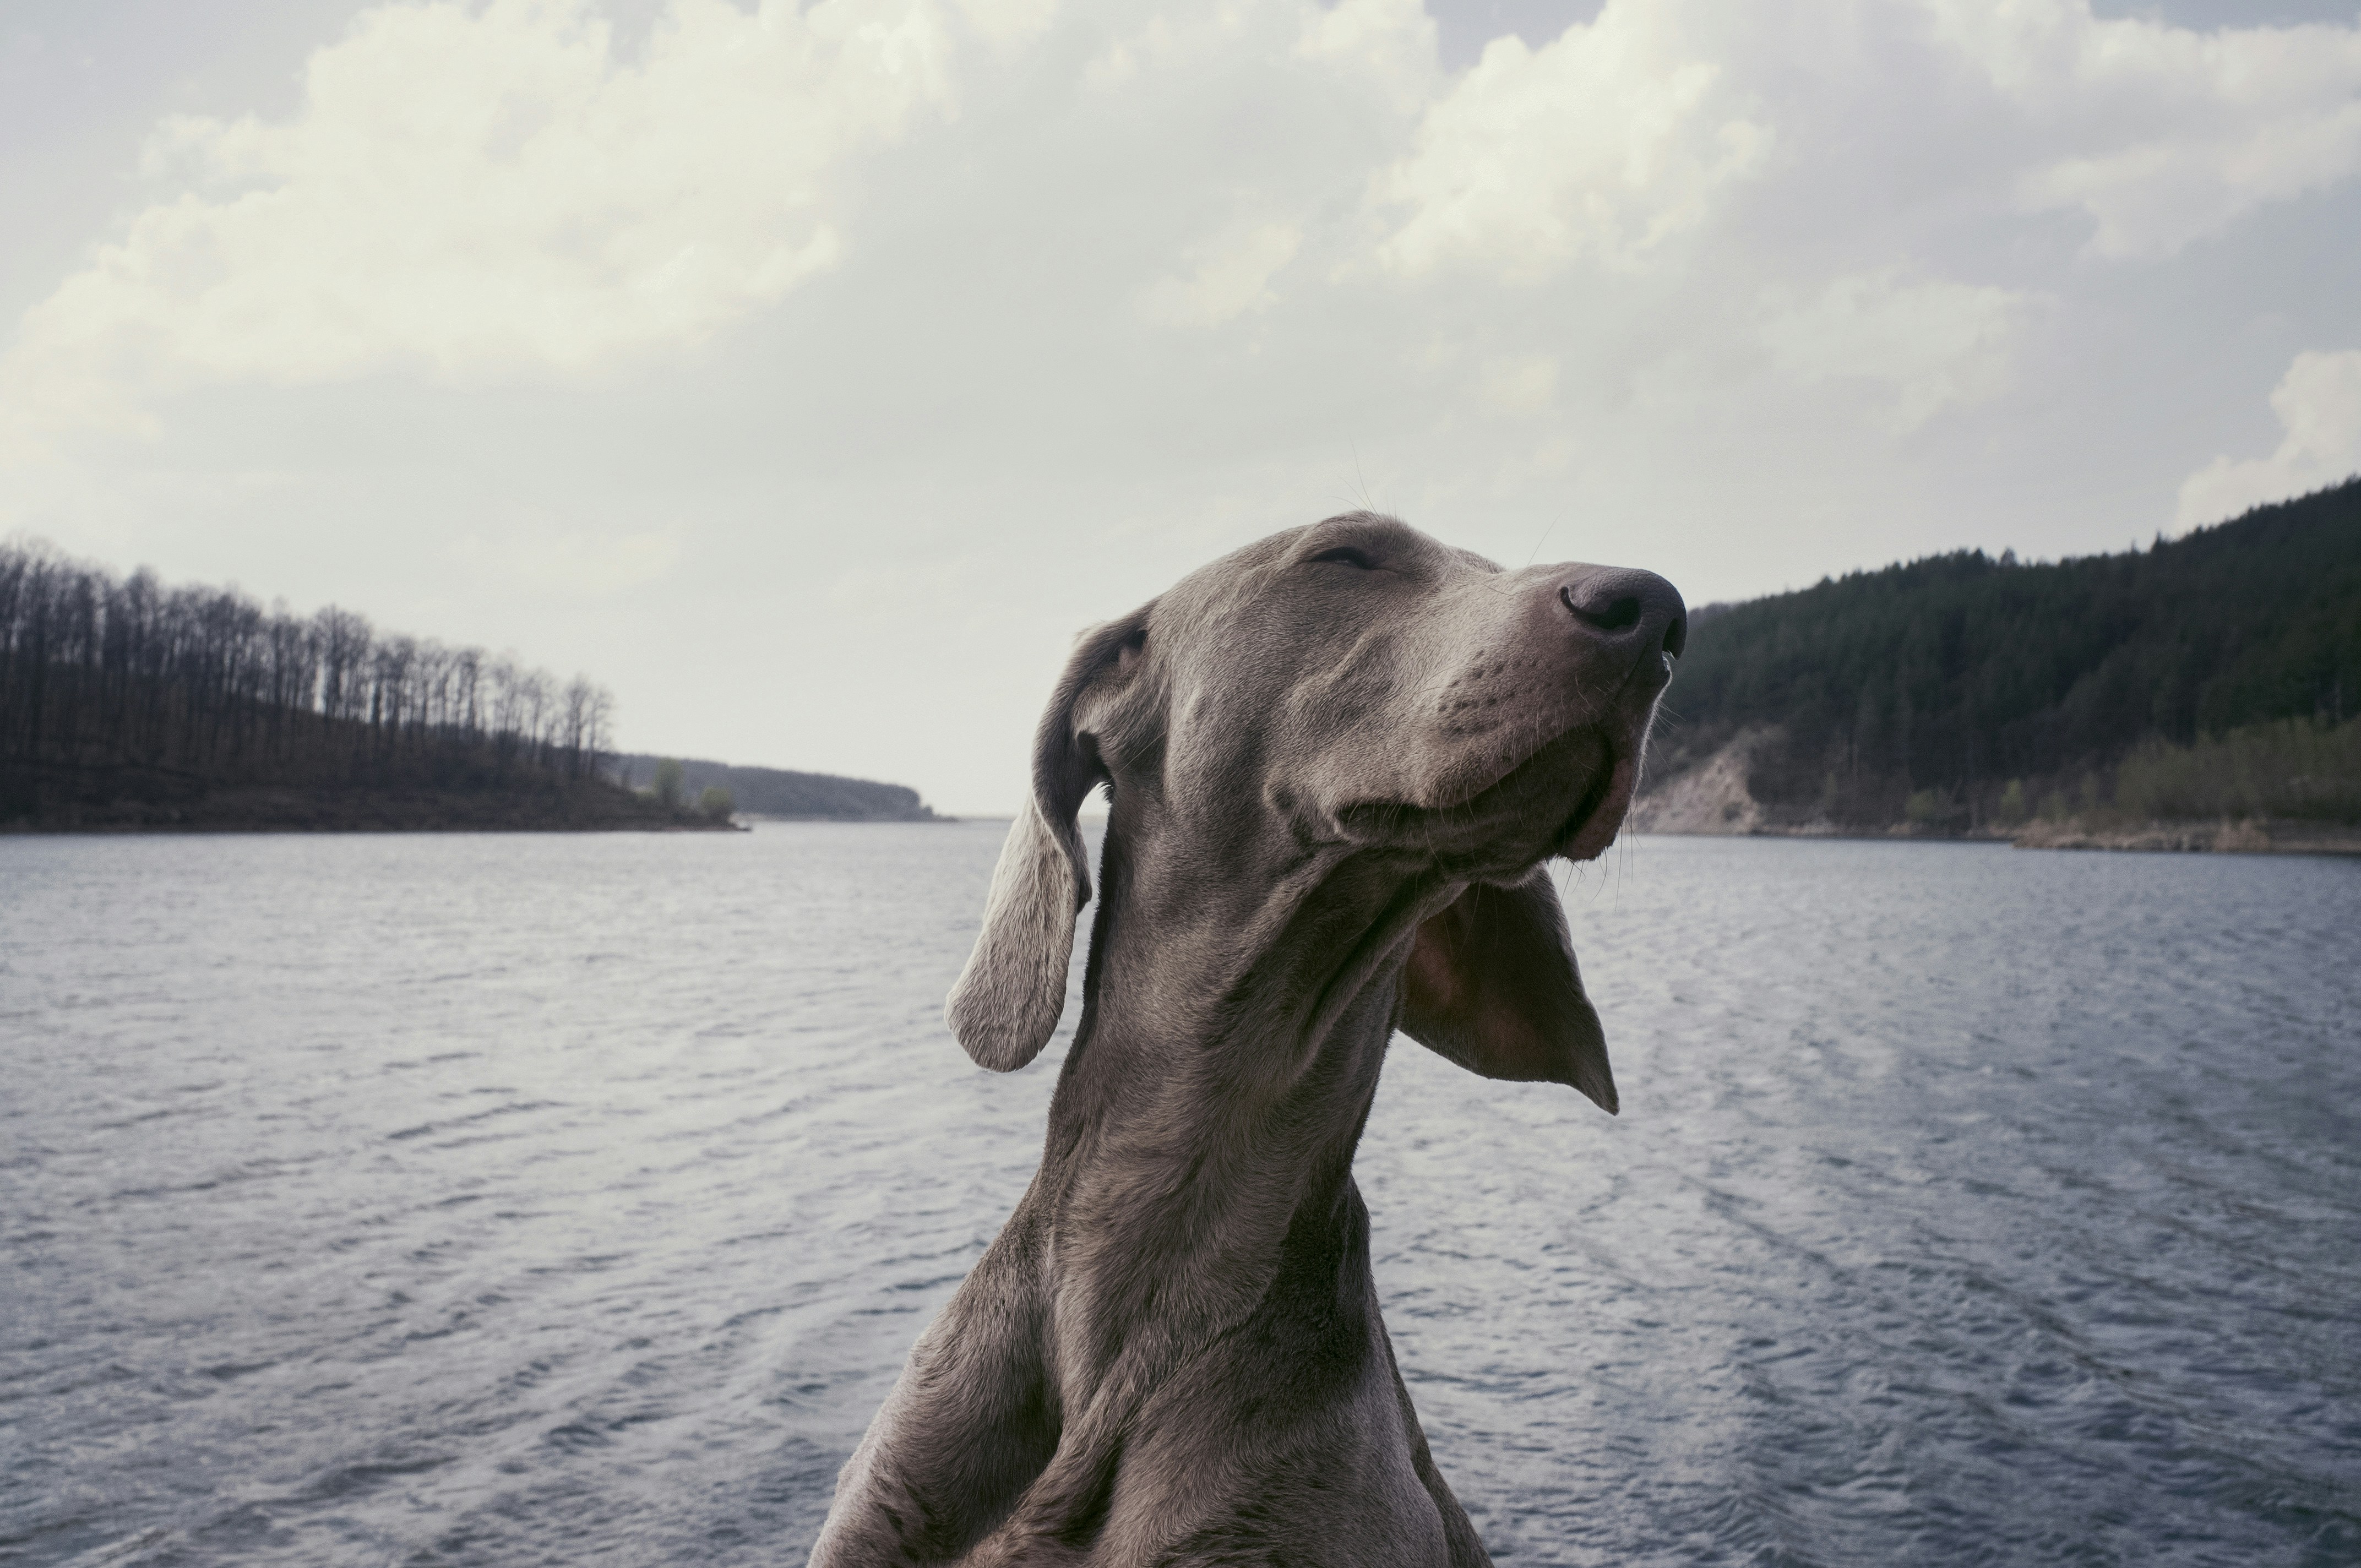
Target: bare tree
[{"x": 110, "y": 680}]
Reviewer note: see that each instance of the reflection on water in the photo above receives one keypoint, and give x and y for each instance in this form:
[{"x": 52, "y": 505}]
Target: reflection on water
[{"x": 509, "y": 1201}]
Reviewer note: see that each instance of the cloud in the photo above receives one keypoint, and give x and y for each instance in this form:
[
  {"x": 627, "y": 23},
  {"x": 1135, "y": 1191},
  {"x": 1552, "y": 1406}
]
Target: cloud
[
  {"x": 1603, "y": 143},
  {"x": 2162, "y": 134},
  {"x": 1641, "y": 126},
  {"x": 2319, "y": 406},
  {"x": 472, "y": 192},
  {"x": 1519, "y": 384},
  {"x": 1931, "y": 344},
  {"x": 1391, "y": 42},
  {"x": 1231, "y": 277},
  {"x": 569, "y": 563}
]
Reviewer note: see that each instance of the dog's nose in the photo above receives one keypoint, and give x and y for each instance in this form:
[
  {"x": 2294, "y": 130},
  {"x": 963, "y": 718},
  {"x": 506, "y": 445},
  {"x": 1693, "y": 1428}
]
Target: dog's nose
[{"x": 1622, "y": 605}]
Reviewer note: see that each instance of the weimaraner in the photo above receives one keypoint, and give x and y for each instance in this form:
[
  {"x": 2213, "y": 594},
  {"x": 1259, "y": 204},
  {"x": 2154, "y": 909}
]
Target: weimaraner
[{"x": 1338, "y": 761}]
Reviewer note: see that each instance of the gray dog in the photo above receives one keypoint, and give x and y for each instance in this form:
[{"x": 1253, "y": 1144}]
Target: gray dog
[{"x": 1337, "y": 762}]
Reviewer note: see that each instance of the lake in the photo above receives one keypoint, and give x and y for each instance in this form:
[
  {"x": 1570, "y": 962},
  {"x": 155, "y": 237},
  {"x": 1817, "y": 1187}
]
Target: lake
[{"x": 521, "y": 1200}]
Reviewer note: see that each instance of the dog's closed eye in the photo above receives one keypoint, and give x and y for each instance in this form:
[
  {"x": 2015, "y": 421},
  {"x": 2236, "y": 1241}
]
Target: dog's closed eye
[{"x": 1348, "y": 554}]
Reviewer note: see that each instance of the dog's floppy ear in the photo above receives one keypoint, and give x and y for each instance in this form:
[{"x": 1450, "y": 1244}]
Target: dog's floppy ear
[
  {"x": 1006, "y": 1001},
  {"x": 1492, "y": 985}
]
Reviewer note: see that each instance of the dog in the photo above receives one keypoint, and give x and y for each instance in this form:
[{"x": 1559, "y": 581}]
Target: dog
[{"x": 1337, "y": 762}]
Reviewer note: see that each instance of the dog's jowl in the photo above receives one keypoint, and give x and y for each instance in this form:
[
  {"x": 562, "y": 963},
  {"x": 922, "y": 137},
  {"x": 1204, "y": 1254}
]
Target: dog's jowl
[{"x": 1337, "y": 764}]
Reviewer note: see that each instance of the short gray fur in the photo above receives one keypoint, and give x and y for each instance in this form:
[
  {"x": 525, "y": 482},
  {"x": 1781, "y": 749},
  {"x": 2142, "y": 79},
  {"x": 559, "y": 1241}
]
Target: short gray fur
[{"x": 1337, "y": 760}]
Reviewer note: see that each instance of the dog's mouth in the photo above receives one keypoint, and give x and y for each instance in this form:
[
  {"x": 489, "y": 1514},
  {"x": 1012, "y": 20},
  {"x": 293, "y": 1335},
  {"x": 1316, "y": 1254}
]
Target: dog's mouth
[
  {"x": 1584, "y": 763},
  {"x": 1521, "y": 817},
  {"x": 1600, "y": 816}
]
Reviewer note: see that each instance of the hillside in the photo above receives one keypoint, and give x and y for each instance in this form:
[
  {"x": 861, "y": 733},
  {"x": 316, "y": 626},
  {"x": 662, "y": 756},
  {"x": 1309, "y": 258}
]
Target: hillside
[
  {"x": 777, "y": 792},
  {"x": 127, "y": 705},
  {"x": 2214, "y": 674}
]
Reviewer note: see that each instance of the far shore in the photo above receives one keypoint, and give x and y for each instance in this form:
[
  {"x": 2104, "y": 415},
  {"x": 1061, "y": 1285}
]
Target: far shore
[
  {"x": 556, "y": 808},
  {"x": 2250, "y": 837},
  {"x": 857, "y": 821}
]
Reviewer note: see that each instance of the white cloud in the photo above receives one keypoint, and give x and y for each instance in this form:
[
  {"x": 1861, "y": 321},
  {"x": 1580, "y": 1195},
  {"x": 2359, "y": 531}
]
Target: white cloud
[
  {"x": 2319, "y": 406},
  {"x": 471, "y": 193},
  {"x": 1391, "y": 42},
  {"x": 1603, "y": 143},
  {"x": 1519, "y": 384},
  {"x": 1932, "y": 345},
  {"x": 570, "y": 563},
  {"x": 2163, "y": 135},
  {"x": 1008, "y": 21},
  {"x": 1230, "y": 276},
  {"x": 1174, "y": 39},
  {"x": 1621, "y": 134}
]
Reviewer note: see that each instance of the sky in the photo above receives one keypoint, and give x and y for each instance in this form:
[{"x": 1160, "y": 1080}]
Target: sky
[{"x": 809, "y": 374}]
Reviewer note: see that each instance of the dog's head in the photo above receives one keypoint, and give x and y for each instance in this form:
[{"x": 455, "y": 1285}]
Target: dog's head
[{"x": 1355, "y": 690}]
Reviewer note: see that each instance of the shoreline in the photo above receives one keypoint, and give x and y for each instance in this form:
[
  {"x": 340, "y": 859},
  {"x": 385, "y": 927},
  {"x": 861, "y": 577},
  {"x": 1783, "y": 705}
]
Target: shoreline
[
  {"x": 2250, "y": 837},
  {"x": 1713, "y": 799},
  {"x": 569, "y": 808},
  {"x": 257, "y": 830},
  {"x": 928, "y": 819}
]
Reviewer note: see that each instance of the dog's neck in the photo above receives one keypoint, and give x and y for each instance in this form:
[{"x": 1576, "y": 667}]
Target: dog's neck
[{"x": 1199, "y": 1158}]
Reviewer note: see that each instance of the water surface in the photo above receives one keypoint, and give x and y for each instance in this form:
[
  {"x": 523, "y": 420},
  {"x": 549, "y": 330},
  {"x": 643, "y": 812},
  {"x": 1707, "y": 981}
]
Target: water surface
[{"x": 573, "y": 1199}]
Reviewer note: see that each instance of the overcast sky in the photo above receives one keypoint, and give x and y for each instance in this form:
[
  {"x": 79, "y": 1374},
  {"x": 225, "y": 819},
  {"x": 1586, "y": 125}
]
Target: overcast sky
[{"x": 810, "y": 375}]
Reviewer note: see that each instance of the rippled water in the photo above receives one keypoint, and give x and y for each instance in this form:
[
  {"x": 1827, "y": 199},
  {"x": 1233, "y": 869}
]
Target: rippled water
[{"x": 507, "y": 1201}]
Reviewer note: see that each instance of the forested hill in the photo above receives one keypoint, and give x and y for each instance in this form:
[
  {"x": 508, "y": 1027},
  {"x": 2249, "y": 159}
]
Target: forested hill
[
  {"x": 1959, "y": 691},
  {"x": 777, "y": 792},
  {"x": 127, "y": 703}
]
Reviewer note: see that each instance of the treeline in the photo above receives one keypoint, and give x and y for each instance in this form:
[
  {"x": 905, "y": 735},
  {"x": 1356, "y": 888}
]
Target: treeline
[
  {"x": 780, "y": 791},
  {"x": 1959, "y": 690},
  {"x": 2295, "y": 768},
  {"x": 122, "y": 689}
]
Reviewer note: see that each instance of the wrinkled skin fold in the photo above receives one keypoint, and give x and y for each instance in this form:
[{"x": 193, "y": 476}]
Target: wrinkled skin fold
[{"x": 1339, "y": 761}]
